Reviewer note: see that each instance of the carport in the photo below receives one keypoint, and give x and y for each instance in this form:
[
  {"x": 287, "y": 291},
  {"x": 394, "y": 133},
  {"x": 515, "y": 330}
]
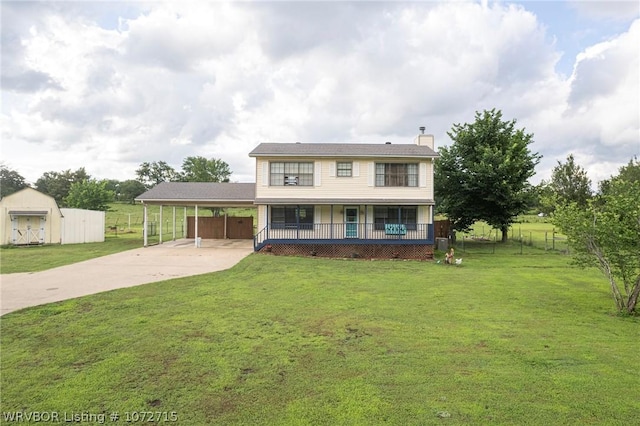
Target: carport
[{"x": 196, "y": 195}]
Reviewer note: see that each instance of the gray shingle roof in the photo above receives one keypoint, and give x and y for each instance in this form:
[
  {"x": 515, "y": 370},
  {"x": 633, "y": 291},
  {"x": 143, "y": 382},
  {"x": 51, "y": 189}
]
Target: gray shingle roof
[
  {"x": 204, "y": 191},
  {"x": 269, "y": 149}
]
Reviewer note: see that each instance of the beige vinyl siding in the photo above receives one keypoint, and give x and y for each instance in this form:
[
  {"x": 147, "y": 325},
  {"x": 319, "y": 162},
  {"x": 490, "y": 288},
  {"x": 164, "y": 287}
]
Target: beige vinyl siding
[{"x": 358, "y": 186}]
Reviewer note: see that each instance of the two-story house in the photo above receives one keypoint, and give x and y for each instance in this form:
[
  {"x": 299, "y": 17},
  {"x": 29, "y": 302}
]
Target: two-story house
[
  {"x": 359, "y": 200},
  {"x": 324, "y": 199}
]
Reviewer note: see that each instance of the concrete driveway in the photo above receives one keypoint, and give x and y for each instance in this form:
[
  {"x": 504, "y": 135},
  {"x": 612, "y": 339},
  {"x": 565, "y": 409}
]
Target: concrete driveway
[{"x": 130, "y": 268}]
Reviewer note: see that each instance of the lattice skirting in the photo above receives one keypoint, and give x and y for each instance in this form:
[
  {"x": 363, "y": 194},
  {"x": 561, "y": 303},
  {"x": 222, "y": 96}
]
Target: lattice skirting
[{"x": 365, "y": 251}]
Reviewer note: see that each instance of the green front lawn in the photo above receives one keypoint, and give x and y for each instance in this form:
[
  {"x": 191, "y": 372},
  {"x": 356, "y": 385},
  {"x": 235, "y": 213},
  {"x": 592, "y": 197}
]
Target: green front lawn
[
  {"x": 40, "y": 258},
  {"x": 501, "y": 339}
]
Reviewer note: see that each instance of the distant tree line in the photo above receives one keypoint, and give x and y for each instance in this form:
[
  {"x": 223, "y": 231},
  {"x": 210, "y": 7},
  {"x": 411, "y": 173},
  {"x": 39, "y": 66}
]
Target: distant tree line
[{"x": 77, "y": 189}]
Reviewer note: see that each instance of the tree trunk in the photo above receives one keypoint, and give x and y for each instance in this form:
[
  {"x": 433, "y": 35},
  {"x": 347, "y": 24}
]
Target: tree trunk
[
  {"x": 505, "y": 233},
  {"x": 633, "y": 297}
]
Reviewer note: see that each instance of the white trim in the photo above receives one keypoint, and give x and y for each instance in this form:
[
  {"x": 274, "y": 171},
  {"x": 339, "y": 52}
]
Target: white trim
[
  {"x": 265, "y": 173},
  {"x": 317, "y": 171}
]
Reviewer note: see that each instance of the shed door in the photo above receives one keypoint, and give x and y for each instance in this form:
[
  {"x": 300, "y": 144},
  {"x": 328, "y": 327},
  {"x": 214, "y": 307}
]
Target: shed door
[{"x": 27, "y": 230}]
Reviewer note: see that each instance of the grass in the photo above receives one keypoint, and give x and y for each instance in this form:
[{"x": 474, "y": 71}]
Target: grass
[
  {"x": 503, "y": 339},
  {"x": 40, "y": 258}
]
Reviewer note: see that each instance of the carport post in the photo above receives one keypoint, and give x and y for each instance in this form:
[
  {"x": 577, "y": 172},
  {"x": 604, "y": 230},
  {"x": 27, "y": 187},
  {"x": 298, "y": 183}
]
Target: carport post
[
  {"x": 144, "y": 226},
  {"x": 196, "y": 221},
  {"x": 174, "y": 223},
  {"x": 160, "y": 226}
]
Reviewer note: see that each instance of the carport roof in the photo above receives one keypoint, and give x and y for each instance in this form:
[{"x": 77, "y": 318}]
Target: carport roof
[{"x": 204, "y": 193}]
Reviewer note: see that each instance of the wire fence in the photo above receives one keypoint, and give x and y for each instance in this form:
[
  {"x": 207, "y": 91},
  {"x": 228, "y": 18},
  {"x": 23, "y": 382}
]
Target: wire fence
[{"x": 538, "y": 239}]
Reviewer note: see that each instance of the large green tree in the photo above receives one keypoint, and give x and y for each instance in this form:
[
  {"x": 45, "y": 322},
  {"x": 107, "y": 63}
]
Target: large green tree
[
  {"x": 128, "y": 190},
  {"x": 58, "y": 184},
  {"x": 90, "y": 194},
  {"x": 10, "y": 181},
  {"x": 201, "y": 169},
  {"x": 484, "y": 174},
  {"x": 151, "y": 174},
  {"x": 569, "y": 184},
  {"x": 606, "y": 234}
]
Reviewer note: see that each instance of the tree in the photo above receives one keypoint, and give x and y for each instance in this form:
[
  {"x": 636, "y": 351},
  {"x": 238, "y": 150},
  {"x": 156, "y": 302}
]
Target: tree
[
  {"x": 151, "y": 174},
  {"x": 58, "y": 184},
  {"x": 484, "y": 174},
  {"x": 10, "y": 181},
  {"x": 607, "y": 234},
  {"x": 569, "y": 184},
  {"x": 90, "y": 194},
  {"x": 629, "y": 173},
  {"x": 200, "y": 169},
  {"x": 129, "y": 190}
]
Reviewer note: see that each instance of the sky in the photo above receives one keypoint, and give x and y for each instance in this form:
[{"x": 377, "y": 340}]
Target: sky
[{"x": 110, "y": 85}]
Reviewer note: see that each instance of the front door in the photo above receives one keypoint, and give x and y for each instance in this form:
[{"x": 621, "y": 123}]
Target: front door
[{"x": 351, "y": 222}]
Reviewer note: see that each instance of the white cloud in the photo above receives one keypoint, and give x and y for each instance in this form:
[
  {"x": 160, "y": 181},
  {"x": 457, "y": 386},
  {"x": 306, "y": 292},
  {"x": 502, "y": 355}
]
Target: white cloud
[{"x": 180, "y": 79}]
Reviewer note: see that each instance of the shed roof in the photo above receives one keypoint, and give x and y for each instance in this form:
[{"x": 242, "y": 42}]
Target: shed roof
[
  {"x": 28, "y": 212},
  {"x": 269, "y": 149},
  {"x": 200, "y": 192}
]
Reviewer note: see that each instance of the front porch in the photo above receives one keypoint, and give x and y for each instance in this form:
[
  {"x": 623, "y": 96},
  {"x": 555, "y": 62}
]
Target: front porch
[{"x": 369, "y": 240}]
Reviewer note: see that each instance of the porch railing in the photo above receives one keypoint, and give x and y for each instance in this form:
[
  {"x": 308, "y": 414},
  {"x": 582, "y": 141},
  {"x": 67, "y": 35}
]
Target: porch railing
[{"x": 346, "y": 233}]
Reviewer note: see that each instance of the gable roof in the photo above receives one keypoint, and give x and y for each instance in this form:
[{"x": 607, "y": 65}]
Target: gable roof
[
  {"x": 205, "y": 192},
  {"x": 269, "y": 149}
]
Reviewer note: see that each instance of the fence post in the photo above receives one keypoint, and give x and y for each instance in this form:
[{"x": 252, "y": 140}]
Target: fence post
[{"x": 545, "y": 240}]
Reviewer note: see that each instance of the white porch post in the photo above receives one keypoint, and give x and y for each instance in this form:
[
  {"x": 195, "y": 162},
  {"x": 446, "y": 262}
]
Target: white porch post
[
  {"x": 196, "y": 227},
  {"x": 145, "y": 225},
  {"x": 184, "y": 224},
  {"x": 160, "y": 226},
  {"x": 225, "y": 224},
  {"x": 174, "y": 223}
]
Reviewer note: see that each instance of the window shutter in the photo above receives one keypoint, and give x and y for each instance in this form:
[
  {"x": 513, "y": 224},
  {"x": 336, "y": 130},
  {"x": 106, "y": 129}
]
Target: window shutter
[
  {"x": 316, "y": 173},
  {"x": 265, "y": 173},
  {"x": 423, "y": 175},
  {"x": 317, "y": 214},
  {"x": 332, "y": 169},
  {"x": 356, "y": 169},
  {"x": 372, "y": 174}
]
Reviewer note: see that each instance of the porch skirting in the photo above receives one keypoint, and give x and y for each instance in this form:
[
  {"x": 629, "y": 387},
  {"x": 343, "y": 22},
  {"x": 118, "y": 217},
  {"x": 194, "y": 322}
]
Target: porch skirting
[{"x": 365, "y": 251}]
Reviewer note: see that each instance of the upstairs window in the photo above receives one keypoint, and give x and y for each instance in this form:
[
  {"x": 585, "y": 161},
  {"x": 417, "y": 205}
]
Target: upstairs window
[
  {"x": 396, "y": 174},
  {"x": 291, "y": 174},
  {"x": 344, "y": 169}
]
